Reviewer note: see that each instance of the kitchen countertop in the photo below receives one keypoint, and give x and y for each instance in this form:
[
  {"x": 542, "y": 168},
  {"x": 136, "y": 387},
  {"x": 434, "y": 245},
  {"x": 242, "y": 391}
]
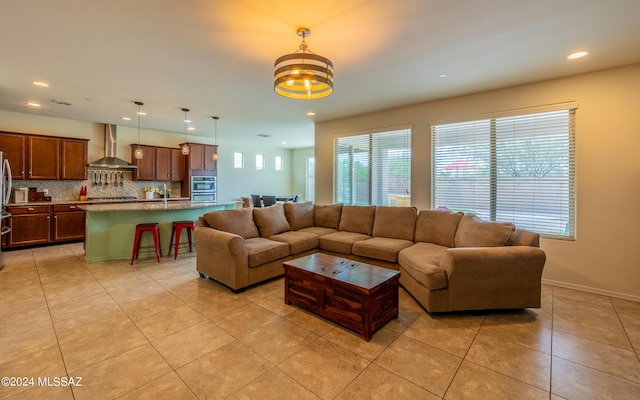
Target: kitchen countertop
[
  {"x": 103, "y": 202},
  {"x": 150, "y": 206}
]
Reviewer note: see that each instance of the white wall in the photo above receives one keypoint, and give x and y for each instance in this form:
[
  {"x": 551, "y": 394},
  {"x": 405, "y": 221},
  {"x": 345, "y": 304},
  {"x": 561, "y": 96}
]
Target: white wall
[
  {"x": 232, "y": 183},
  {"x": 299, "y": 170},
  {"x": 605, "y": 258}
]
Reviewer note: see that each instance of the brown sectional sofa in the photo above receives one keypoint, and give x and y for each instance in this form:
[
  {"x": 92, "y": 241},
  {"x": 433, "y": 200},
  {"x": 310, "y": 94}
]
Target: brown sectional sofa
[{"x": 448, "y": 261}]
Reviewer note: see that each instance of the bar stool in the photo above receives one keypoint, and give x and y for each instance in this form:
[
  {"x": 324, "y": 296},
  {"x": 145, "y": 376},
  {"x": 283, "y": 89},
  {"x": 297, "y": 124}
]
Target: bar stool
[
  {"x": 177, "y": 229},
  {"x": 152, "y": 227}
]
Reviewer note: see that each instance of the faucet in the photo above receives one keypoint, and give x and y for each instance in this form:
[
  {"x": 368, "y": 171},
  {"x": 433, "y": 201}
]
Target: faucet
[{"x": 165, "y": 194}]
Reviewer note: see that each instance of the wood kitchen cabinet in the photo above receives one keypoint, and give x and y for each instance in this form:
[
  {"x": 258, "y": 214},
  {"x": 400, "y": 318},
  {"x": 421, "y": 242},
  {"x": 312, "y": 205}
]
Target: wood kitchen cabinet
[
  {"x": 13, "y": 145},
  {"x": 68, "y": 223},
  {"x": 177, "y": 165},
  {"x": 29, "y": 225},
  {"x": 43, "y": 224},
  {"x": 200, "y": 159},
  {"x": 146, "y": 167},
  {"x": 169, "y": 164},
  {"x": 73, "y": 157},
  {"x": 43, "y": 157}
]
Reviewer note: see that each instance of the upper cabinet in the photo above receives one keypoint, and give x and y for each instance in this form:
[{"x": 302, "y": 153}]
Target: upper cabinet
[
  {"x": 158, "y": 164},
  {"x": 200, "y": 159},
  {"x": 146, "y": 166},
  {"x": 13, "y": 145},
  {"x": 45, "y": 157},
  {"x": 177, "y": 165},
  {"x": 169, "y": 164},
  {"x": 73, "y": 157}
]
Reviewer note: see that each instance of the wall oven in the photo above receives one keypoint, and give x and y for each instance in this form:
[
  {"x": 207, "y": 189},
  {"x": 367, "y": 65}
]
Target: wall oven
[{"x": 203, "y": 188}]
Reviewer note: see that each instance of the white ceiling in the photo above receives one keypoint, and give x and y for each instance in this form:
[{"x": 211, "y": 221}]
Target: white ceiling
[{"x": 216, "y": 56}]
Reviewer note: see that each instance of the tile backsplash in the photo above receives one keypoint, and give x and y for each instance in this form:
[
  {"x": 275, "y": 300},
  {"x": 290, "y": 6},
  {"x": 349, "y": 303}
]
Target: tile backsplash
[{"x": 70, "y": 190}]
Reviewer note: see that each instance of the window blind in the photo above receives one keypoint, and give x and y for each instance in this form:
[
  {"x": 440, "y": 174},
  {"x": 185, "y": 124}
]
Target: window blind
[
  {"x": 518, "y": 168},
  {"x": 373, "y": 168}
]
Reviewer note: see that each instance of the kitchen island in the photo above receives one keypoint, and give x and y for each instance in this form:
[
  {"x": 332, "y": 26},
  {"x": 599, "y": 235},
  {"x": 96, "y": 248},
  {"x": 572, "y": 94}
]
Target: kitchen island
[{"x": 109, "y": 228}]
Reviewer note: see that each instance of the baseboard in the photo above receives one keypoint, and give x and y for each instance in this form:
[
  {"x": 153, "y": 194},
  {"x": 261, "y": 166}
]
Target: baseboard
[{"x": 591, "y": 290}]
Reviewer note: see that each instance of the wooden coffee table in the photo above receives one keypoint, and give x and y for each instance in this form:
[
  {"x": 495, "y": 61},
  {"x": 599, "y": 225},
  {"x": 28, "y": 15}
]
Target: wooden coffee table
[{"x": 356, "y": 295}]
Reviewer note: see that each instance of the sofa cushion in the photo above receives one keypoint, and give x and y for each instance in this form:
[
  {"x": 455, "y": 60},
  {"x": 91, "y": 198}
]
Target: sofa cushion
[
  {"x": 318, "y": 230},
  {"x": 299, "y": 215},
  {"x": 421, "y": 262},
  {"x": 327, "y": 216},
  {"x": 237, "y": 221},
  {"x": 261, "y": 251},
  {"x": 439, "y": 227},
  {"x": 271, "y": 220},
  {"x": 341, "y": 242},
  {"x": 523, "y": 237},
  {"x": 358, "y": 219},
  {"x": 297, "y": 241},
  {"x": 473, "y": 232},
  {"x": 380, "y": 248},
  {"x": 395, "y": 222}
]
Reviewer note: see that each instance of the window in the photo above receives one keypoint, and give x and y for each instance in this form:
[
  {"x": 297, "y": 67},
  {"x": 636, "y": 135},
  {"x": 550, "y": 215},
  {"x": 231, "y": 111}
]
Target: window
[
  {"x": 373, "y": 169},
  {"x": 278, "y": 163},
  {"x": 518, "y": 168},
  {"x": 238, "y": 160},
  {"x": 311, "y": 179},
  {"x": 259, "y": 161}
]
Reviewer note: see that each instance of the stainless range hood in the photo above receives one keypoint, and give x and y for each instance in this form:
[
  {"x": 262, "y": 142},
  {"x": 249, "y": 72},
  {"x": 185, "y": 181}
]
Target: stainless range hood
[{"x": 110, "y": 160}]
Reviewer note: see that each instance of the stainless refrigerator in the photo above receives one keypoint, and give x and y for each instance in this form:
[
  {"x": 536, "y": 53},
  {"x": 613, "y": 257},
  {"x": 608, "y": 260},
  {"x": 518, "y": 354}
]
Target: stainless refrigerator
[{"x": 5, "y": 194}]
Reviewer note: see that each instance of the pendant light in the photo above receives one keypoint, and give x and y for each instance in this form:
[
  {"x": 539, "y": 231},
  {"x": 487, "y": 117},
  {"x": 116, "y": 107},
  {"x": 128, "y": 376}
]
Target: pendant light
[
  {"x": 185, "y": 145},
  {"x": 215, "y": 137},
  {"x": 138, "y": 154}
]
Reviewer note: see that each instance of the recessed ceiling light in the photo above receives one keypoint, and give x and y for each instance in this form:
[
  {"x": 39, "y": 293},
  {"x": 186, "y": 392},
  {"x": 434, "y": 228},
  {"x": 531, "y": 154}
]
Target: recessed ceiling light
[
  {"x": 191, "y": 128},
  {"x": 40, "y": 83},
  {"x": 576, "y": 55},
  {"x": 443, "y": 75},
  {"x": 284, "y": 142},
  {"x": 33, "y": 104},
  {"x": 188, "y": 121},
  {"x": 311, "y": 113},
  {"x": 141, "y": 113},
  {"x": 126, "y": 118}
]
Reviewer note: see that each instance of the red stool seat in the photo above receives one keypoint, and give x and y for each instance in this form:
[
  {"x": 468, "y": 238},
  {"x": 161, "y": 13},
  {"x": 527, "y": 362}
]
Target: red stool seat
[
  {"x": 177, "y": 229},
  {"x": 150, "y": 227}
]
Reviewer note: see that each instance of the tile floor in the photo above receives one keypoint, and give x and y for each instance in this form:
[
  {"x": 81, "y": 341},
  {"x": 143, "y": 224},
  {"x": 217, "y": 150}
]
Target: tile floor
[{"x": 158, "y": 331}]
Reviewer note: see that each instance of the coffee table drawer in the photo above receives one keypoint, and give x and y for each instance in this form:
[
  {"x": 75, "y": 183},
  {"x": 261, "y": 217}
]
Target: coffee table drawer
[
  {"x": 305, "y": 291},
  {"x": 345, "y": 305}
]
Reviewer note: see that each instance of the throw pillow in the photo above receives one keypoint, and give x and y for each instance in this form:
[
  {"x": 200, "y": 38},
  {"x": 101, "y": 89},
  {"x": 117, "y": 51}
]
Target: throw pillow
[
  {"x": 327, "y": 216},
  {"x": 438, "y": 227},
  {"x": 395, "y": 222},
  {"x": 358, "y": 219},
  {"x": 238, "y": 221},
  {"x": 299, "y": 215},
  {"x": 473, "y": 232},
  {"x": 271, "y": 220}
]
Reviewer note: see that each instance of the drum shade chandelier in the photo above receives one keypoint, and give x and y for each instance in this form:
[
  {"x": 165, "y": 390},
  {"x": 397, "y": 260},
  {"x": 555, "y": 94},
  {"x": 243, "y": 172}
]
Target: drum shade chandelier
[{"x": 303, "y": 75}]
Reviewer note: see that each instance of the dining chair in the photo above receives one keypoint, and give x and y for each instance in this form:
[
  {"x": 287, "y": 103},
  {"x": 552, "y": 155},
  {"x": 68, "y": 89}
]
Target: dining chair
[
  {"x": 268, "y": 200},
  {"x": 257, "y": 202}
]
